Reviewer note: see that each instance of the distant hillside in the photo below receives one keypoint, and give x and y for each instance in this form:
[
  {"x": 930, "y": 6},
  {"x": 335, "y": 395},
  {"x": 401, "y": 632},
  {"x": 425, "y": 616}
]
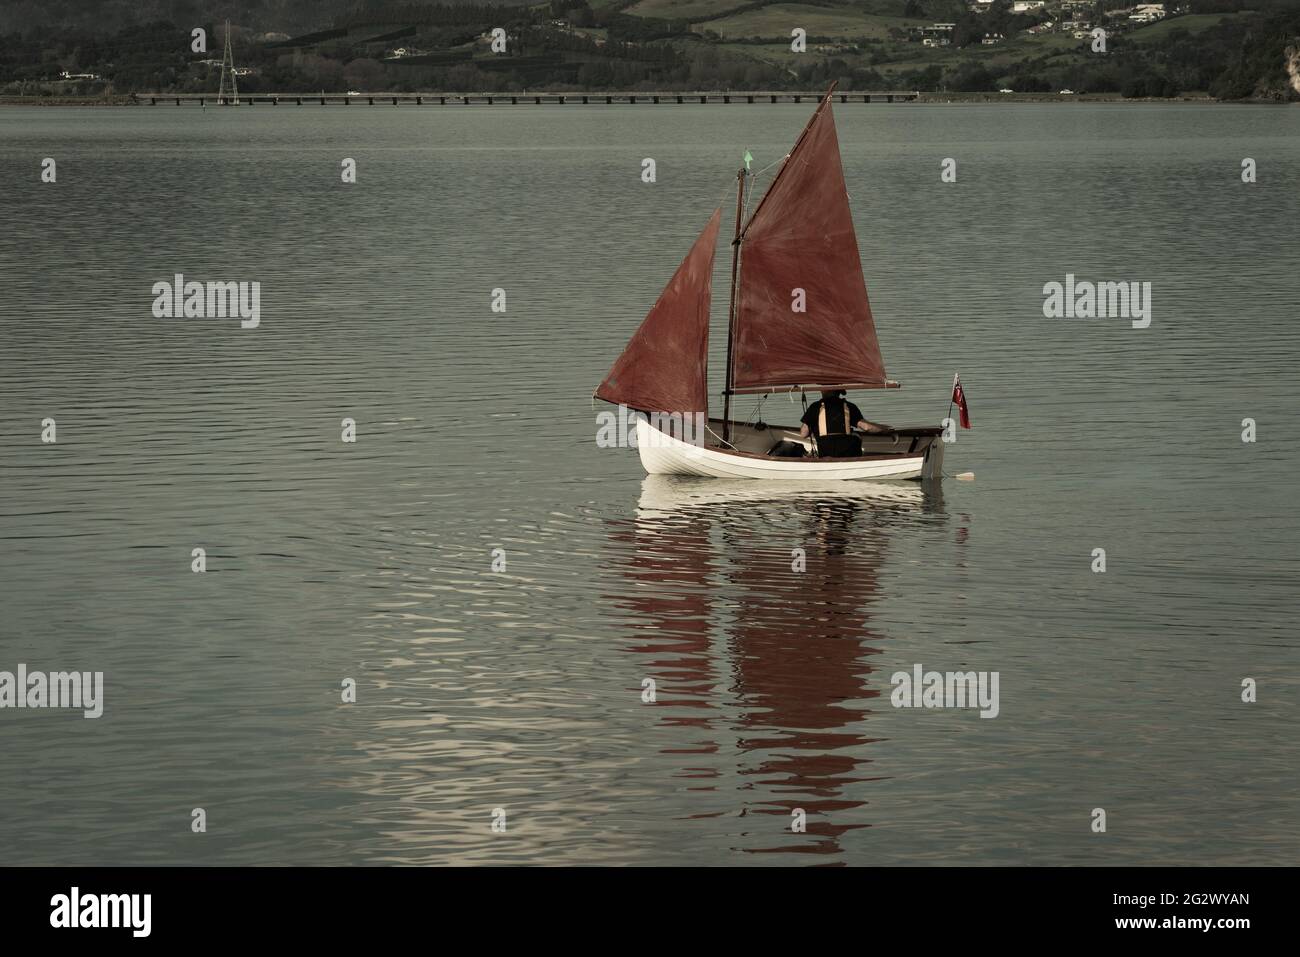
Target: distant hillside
[
  {"x": 108, "y": 17},
  {"x": 1226, "y": 48}
]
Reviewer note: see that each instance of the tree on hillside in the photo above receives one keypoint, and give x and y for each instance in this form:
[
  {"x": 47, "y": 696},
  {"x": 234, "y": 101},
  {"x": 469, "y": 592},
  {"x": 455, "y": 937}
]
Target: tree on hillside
[
  {"x": 968, "y": 30},
  {"x": 971, "y": 77}
]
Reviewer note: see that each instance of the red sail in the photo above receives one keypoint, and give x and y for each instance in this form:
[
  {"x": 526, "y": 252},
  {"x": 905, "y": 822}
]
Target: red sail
[
  {"x": 801, "y": 238},
  {"x": 665, "y": 366}
]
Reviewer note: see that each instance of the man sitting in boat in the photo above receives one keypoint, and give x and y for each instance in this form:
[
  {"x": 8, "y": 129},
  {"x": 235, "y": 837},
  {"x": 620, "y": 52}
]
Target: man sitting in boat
[{"x": 831, "y": 421}]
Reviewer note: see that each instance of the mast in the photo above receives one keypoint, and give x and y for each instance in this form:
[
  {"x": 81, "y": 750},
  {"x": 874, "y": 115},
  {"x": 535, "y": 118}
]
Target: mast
[{"x": 731, "y": 310}]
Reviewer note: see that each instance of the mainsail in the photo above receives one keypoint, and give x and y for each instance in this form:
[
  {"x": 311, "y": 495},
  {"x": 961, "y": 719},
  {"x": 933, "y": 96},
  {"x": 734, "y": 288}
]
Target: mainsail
[
  {"x": 665, "y": 366},
  {"x": 801, "y": 238}
]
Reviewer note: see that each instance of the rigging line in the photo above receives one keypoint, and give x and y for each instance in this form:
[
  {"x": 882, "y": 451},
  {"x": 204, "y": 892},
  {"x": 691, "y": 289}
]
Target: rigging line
[
  {"x": 731, "y": 184},
  {"x": 751, "y": 189},
  {"x": 720, "y": 439},
  {"x": 768, "y": 167},
  {"x": 723, "y": 194}
]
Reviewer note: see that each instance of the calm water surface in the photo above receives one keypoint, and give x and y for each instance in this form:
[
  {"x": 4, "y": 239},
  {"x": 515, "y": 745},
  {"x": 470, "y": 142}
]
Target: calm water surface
[{"x": 521, "y": 689}]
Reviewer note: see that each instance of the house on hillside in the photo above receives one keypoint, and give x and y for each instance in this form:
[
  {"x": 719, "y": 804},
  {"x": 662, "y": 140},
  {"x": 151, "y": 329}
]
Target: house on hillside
[
  {"x": 931, "y": 35},
  {"x": 1147, "y": 12}
]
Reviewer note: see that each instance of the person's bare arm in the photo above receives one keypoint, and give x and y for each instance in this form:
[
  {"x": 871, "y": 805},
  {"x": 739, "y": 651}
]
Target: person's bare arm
[
  {"x": 803, "y": 431},
  {"x": 866, "y": 426}
]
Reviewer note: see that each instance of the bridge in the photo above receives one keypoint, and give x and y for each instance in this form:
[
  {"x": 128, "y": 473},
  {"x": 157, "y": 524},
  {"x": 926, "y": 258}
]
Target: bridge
[{"x": 511, "y": 99}]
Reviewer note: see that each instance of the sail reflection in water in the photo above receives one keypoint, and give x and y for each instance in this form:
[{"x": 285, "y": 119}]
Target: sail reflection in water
[{"x": 763, "y": 673}]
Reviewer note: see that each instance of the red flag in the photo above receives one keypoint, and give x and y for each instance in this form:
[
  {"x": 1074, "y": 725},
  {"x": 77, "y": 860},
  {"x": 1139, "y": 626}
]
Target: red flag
[{"x": 959, "y": 397}]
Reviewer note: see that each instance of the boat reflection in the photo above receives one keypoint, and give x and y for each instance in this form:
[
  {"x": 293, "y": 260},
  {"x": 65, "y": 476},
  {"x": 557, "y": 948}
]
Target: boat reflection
[{"x": 754, "y": 607}]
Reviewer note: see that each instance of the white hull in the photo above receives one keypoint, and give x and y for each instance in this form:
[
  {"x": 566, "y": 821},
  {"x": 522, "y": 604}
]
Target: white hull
[
  {"x": 662, "y": 454},
  {"x": 665, "y": 495}
]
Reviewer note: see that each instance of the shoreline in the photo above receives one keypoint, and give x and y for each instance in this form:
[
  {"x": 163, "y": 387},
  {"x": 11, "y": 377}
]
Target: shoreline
[{"x": 739, "y": 98}]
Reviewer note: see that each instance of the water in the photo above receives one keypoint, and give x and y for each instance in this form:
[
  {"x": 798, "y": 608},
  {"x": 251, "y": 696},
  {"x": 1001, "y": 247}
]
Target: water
[{"x": 521, "y": 689}]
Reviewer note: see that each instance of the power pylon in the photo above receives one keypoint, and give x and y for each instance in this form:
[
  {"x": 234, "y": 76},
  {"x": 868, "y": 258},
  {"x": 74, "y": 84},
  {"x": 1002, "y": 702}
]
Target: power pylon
[{"x": 228, "y": 69}]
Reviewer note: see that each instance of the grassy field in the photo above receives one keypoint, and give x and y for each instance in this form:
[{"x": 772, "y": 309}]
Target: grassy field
[
  {"x": 777, "y": 22},
  {"x": 681, "y": 9},
  {"x": 716, "y": 9},
  {"x": 1192, "y": 23}
]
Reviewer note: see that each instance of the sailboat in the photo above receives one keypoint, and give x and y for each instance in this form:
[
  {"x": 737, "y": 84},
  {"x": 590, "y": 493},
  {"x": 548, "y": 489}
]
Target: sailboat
[{"x": 797, "y": 249}]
